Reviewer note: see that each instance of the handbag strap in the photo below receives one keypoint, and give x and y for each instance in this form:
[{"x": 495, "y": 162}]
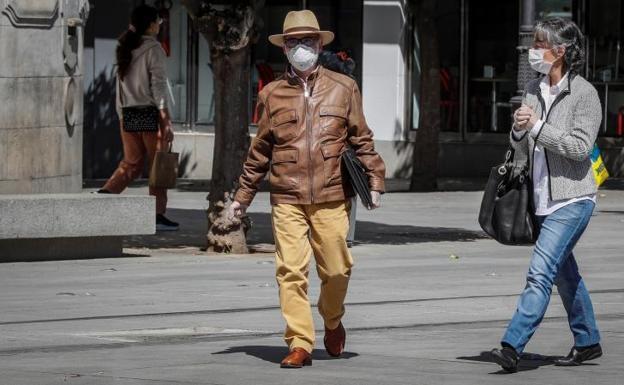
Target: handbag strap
[
  {"x": 510, "y": 157},
  {"x": 120, "y": 90},
  {"x": 508, "y": 163}
]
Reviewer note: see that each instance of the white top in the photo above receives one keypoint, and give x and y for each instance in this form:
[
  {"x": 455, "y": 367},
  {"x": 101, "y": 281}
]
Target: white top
[{"x": 541, "y": 179}]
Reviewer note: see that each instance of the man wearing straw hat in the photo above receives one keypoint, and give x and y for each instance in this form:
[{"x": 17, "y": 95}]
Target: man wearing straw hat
[{"x": 307, "y": 117}]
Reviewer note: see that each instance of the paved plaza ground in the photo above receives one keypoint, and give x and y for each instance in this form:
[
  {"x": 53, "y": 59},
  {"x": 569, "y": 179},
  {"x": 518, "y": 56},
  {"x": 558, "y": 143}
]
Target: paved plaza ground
[{"x": 429, "y": 296}]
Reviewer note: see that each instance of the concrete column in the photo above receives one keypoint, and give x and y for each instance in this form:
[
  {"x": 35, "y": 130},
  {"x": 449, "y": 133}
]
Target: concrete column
[
  {"x": 41, "y": 95},
  {"x": 384, "y": 68}
]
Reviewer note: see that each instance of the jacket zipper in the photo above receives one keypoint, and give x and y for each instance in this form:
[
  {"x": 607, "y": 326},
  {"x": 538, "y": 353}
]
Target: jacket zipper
[
  {"x": 306, "y": 95},
  {"x": 559, "y": 97}
]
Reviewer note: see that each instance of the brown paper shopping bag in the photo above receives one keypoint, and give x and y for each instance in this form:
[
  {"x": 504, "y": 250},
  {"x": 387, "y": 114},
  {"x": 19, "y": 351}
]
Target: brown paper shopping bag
[{"x": 164, "y": 169}]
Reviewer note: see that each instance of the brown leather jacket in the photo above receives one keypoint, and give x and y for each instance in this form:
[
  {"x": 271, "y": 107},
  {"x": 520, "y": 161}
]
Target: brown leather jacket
[{"x": 300, "y": 139}]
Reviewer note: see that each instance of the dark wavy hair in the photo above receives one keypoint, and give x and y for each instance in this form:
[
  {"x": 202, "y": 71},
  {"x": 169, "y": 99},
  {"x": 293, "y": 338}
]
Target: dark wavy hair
[
  {"x": 563, "y": 32},
  {"x": 141, "y": 19}
]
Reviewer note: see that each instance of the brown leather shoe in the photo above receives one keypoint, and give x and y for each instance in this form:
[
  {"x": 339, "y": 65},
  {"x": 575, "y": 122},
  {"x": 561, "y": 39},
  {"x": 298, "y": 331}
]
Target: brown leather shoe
[
  {"x": 297, "y": 358},
  {"x": 335, "y": 340}
]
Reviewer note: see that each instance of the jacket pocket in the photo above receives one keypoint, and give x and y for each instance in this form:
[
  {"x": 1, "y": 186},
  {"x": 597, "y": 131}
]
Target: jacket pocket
[
  {"x": 284, "y": 169},
  {"x": 284, "y": 125},
  {"x": 331, "y": 163},
  {"x": 333, "y": 120}
]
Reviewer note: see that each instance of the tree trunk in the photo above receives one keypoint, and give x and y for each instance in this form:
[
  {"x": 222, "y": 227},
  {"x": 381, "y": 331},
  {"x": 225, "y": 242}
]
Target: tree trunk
[
  {"x": 229, "y": 28},
  {"x": 425, "y": 157},
  {"x": 232, "y": 75}
]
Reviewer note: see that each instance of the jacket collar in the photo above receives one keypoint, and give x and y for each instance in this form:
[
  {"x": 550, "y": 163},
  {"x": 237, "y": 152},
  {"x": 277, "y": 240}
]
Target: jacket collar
[
  {"x": 557, "y": 88},
  {"x": 568, "y": 77},
  {"x": 294, "y": 79}
]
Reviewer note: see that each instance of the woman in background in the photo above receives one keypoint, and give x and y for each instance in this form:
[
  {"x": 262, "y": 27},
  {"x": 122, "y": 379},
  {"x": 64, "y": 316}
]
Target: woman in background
[{"x": 142, "y": 82}]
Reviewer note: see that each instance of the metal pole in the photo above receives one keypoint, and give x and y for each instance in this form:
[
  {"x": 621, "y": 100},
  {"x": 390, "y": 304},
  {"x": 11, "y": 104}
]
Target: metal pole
[
  {"x": 352, "y": 220},
  {"x": 525, "y": 41}
]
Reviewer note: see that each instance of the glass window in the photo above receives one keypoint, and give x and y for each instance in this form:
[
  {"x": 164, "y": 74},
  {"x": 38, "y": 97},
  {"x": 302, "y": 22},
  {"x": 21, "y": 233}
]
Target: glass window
[
  {"x": 448, "y": 31},
  {"x": 174, "y": 37},
  {"x": 492, "y": 64},
  {"x": 604, "y": 40},
  {"x": 553, "y": 8},
  {"x": 344, "y": 18},
  {"x": 448, "y": 24},
  {"x": 205, "y": 85},
  {"x": 416, "y": 75},
  {"x": 268, "y": 61}
]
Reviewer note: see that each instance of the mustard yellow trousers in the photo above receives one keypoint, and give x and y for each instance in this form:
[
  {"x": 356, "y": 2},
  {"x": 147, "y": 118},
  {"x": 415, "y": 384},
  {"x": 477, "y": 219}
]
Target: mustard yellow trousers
[{"x": 301, "y": 231}]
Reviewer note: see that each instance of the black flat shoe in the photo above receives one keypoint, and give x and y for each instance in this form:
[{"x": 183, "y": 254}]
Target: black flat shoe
[
  {"x": 507, "y": 358},
  {"x": 579, "y": 355},
  {"x": 164, "y": 224}
]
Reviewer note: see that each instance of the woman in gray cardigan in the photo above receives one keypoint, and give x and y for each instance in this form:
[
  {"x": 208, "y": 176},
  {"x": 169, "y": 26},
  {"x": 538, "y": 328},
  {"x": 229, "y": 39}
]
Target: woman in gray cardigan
[{"x": 556, "y": 128}]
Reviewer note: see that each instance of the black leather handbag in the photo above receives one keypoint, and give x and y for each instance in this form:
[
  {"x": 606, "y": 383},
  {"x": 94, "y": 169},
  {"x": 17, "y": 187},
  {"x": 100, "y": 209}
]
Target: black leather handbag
[
  {"x": 357, "y": 176},
  {"x": 507, "y": 211}
]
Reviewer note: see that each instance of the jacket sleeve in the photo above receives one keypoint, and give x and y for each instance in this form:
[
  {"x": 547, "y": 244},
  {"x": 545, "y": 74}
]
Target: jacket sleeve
[
  {"x": 258, "y": 159},
  {"x": 578, "y": 142},
  {"x": 360, "y": 137},
  {"x": 157, "y": 67},
  {"x": 518, "y": 140}
]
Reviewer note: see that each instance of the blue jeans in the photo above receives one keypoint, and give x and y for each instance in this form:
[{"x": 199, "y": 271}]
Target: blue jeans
[{"x": 553, "y": 262}]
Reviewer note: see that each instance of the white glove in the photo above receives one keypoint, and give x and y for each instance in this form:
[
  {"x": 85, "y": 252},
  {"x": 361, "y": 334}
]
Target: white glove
[
  {"x": 376, "y": 199},
  {"x": 237, "y": 210}
]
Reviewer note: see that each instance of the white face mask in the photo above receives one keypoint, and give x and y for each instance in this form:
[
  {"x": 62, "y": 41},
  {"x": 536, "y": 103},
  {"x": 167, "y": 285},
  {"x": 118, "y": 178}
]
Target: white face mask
[
  {"x": 302, "y": 57},
  {"x": 537, "y": 62}
]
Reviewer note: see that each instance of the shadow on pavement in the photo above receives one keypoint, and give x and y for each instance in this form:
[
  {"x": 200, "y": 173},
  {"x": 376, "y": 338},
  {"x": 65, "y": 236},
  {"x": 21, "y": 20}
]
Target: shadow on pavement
[
  {"x": 276, "y": 354},
  {"x": 612, "y": 211},
  {"x": 192, "y": 232},
  {"x": 384, "y": 234},
  {"x": 528, "y": 361},
  {"x": 193, "y": 228}
]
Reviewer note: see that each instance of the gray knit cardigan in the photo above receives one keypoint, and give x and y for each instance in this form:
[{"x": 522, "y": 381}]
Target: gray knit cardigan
[{"x": 567, "y": 135}]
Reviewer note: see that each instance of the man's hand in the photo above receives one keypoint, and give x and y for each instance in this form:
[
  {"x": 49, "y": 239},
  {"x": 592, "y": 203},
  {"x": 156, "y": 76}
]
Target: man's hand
[
  {"x": 236, "y": 210},
  {"x": 524, "y": 118},
  {"x": 376, "y": 199}
]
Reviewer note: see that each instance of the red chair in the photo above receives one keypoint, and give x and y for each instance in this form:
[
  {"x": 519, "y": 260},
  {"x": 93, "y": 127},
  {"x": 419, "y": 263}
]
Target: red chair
[
  {"x": 620, "y": 122},
  {"x": 449, "y": 102},
  {"x": 265, "y": 76}
]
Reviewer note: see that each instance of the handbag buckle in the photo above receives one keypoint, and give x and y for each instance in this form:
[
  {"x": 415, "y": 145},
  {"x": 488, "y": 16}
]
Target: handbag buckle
[{"x": 502, "y": 170}]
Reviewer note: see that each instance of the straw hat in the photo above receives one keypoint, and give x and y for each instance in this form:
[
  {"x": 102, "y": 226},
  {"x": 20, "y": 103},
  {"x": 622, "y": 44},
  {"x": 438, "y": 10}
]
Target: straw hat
[{"x": 299, "y": 23}]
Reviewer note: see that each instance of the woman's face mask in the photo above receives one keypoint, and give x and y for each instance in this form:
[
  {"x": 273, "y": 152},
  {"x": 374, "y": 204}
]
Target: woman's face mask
[
  {"x": 537, "y": 61},
  {"x": 302, "y": 57}
]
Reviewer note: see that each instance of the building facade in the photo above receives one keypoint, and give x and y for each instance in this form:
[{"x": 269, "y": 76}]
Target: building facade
[{"x": 479, "y": 64}]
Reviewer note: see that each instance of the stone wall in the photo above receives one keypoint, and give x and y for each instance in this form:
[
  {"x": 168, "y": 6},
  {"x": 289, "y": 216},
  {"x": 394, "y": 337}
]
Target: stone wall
[{"x": 41, "y": 95}]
